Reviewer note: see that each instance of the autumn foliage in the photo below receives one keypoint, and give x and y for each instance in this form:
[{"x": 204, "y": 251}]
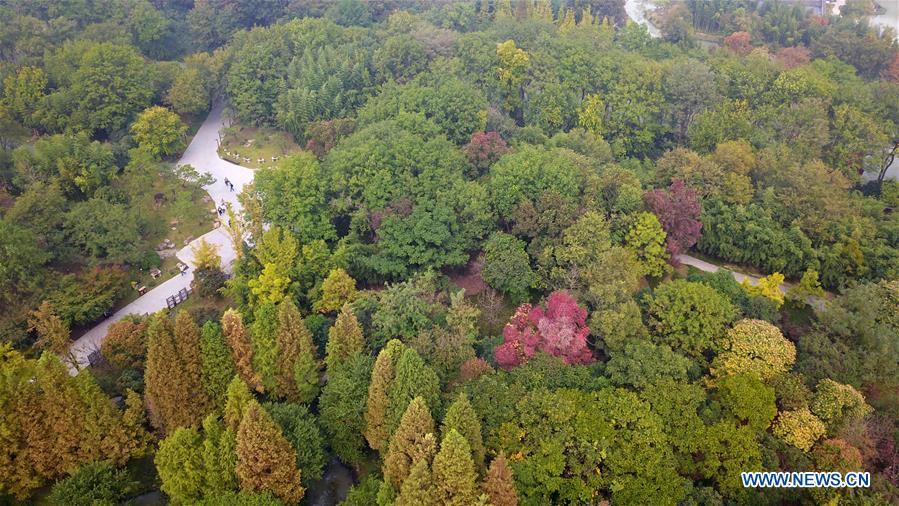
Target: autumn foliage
[
  {"x": 559, "y": 329},
  {"x": 678, "y": 210},
  {"x": 739, "y": 43}
]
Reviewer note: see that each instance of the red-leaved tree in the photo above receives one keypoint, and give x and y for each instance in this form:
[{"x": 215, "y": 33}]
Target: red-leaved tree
[
  {"x": 559, "y": 330},
  {"x": 484, "y": 149},
  {"x": 678, "y": 211},
  {"x": 793, "y": 57},
  {"x": 739, "y": 43}
]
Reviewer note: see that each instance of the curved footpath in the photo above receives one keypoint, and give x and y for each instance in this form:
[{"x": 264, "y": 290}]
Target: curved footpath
[
  {"x": 202, "y": 154},
  {"x": 816, "y": 302}
]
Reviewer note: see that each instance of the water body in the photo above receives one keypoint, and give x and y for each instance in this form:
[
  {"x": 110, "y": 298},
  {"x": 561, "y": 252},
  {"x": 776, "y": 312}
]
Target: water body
[{"x": 333, "y": 486}]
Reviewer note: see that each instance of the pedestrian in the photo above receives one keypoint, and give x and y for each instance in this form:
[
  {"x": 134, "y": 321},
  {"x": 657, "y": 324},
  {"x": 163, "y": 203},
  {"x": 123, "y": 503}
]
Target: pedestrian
[{"x": 227, "y": 183}]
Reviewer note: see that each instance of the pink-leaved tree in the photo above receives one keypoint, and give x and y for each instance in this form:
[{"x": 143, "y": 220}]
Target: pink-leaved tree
[
  {"x": 677, "y": 208},
  {"x": 559, "y": 329}
]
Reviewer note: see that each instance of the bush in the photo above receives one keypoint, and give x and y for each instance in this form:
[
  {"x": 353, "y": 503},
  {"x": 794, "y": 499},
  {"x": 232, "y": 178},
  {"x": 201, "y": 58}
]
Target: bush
[
  {"x": 208, "y": 280},
  {"x": 95, "y": 483}
]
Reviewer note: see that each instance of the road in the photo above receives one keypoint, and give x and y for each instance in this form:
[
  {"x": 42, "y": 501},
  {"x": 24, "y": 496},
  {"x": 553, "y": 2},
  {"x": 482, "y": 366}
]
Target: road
[{"x": 202, "y": 154}]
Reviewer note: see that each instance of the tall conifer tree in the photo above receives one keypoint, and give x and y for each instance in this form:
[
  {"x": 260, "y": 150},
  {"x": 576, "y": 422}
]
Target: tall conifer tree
[
  {"x": 265, "y": 459},
  {"x": 376, "y": 432},
  {"x": 241, "y": 349},
  {"x": 414, "y": 440},
  {"x": 174, "y": 392},
  {"x": 418, "y": 489},
  {"x": 237, "y": 400},
  {"x": 462, "y": 417},
  {"x": 345, "y": 338},
  {"x": 298, "y": 368},
  {"x": 499, "y": 485},
  {"x": 217, "y": 366},
  {"x": 455, "y": 479}
]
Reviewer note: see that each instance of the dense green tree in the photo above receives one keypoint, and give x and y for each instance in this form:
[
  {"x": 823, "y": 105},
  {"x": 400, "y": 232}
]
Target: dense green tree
[
  {"x": 411, "y": 206},
  {"x": 110, "y": 85},
  {"x": 342, "y": 407},
  {"x": 159, "y": 131},
  {"x": 216, "y": 366},
  {"x": 642, "y": 363},
  {"x": 689, "y": 317},
  {"x": 634, "y": 460},
  {"x": 507, "y": 266},
  {"x": 294, "y": 197},
  {"x": 93, "y": 483},
  {"x": 300, "y": 428},
  {"x": 749, "y": 400}
]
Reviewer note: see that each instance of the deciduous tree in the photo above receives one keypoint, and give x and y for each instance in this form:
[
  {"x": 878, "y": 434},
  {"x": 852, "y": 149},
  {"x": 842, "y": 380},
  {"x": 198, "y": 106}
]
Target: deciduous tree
[
  {"x": 345, "y": 338},
  {"x": 461, "y": 417},
  {"x": 265, "y": 459},
  {"x": 414, "y": 440},
  {"x": 159, "y": 131},
  {"x": 559, "y": 330},
  {"x": 241, "y": 350},
  {"x": 454, "y": 472}
]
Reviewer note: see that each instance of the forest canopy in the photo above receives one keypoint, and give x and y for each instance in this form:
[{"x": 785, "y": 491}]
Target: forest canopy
[{"x": 519, "y": 252}]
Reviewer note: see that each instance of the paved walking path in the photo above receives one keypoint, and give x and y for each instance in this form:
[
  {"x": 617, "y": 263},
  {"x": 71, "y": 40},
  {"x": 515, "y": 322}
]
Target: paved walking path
[
  {"x": 202, "y": 154},
  {"x": 816, "y": 302}
]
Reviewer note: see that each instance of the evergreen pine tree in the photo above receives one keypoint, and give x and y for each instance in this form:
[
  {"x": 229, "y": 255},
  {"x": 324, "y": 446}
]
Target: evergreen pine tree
[
  {"x": 342, "y": 407},
  {"x": 298, "y": 369},
  {"x": 498, "y": 485},
  {"x": 179, "y": 464},
  {"x": 414, "y": 440},
  {"x": 217, "y": 367},
  {"x": 413, "y": 379},
  {"x": 264, "y": 341},
  {"x": 455, "y": 479},
  {"x": 418, "y": 489},
  {"x": 187, "y": 339},
  {"x": 265, "y": 459},
  {"x": 219, "y": 457},
  {"x": 376, "y": 432},
  {"x": 462, "y": 417},
  {"x": 241, "y": 350},
  {"x": 344, "y": 338},
  {"x": 134, "y": 420},
  {"x": 237, "y": 400}
]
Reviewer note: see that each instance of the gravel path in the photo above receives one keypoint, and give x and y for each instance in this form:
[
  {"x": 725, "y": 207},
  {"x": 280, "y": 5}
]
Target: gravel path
[{"x": 202, "y": 154}]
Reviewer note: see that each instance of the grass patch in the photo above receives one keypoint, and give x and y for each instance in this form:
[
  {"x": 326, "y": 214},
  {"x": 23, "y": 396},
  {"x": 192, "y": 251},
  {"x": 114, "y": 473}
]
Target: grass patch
[{"x": 256, "y": 143}]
